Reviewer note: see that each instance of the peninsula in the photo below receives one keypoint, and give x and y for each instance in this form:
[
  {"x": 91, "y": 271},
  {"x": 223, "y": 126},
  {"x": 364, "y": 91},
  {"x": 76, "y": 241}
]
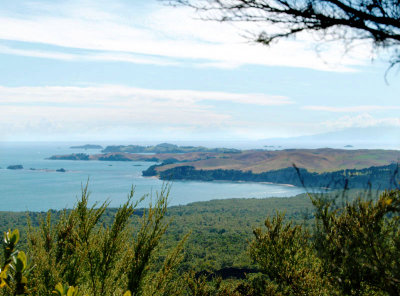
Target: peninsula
[{"x": 318, "y": 167}]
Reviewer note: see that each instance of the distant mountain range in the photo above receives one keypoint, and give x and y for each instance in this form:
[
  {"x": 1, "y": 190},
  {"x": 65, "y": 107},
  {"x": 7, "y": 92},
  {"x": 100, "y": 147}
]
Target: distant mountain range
[{"x": 369, "y": 137}]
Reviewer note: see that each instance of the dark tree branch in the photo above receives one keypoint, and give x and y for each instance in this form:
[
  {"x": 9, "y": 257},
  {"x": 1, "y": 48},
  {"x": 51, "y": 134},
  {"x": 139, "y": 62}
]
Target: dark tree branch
[{"x": 374, "y": 20}]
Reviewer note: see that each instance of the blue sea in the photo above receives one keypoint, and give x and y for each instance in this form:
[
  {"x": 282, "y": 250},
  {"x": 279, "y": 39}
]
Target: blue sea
[{"x": 39, "y": 187}]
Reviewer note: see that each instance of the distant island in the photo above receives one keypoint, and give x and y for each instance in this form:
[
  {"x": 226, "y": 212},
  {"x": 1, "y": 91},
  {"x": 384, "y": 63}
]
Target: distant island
[
  {"x": 323, "y": 167},
  {"x": 165, "y": 148},
  {"x": 348, "y": 146},
  {"x": 87, "y": 146},
  {"x": 21, "y": 167},
  {"x": 15, "y": 167},
  {"x": 73, "y": 156}
]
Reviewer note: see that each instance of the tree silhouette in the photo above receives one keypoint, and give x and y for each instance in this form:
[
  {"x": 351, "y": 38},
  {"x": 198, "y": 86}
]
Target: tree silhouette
[{"x": 345, "y": 20}]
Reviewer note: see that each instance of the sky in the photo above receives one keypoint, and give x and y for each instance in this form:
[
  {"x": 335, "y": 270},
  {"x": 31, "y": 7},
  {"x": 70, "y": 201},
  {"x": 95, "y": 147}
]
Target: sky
[{"x": 140, "y": 70}]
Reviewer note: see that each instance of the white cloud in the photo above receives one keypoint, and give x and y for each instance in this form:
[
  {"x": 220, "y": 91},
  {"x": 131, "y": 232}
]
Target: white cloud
[
  {"x": 361, "y": 120},
  {"x": 160, "y": 32},
  {"x": 351, "y": 109},
  {"x": 37, "y": 53},
  {"x": 93, "y": 56},
  {"x": 58, "y": 109},
  {"x": 117, "y": 95}
]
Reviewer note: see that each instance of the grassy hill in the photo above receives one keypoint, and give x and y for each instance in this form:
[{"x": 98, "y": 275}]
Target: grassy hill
[{"x": 314, "y": 160}]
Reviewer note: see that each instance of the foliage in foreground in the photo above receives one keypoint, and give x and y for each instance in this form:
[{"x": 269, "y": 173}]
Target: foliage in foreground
[
  {"x": 353, "y": 249},
  {"x": 79, "y": 251}
]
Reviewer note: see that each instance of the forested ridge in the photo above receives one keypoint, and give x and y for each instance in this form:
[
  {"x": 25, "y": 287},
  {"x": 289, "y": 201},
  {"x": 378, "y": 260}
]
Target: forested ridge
[{"x": 376, "y": 176}]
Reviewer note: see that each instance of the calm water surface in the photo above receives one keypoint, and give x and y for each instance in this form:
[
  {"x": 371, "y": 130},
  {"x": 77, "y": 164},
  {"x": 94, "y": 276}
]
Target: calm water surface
[{"x": 44, "y": 188}]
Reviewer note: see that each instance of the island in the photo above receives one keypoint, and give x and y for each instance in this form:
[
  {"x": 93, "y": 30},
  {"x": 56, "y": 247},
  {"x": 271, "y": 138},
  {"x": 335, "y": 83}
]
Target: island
[
  {"x": 73, "y": 156},
  {"x": 325, "y": 167},
  {"x": 165, "y": 148},
  {"x": 15, "y": 167},
  {"x": 87, "y": 146}
]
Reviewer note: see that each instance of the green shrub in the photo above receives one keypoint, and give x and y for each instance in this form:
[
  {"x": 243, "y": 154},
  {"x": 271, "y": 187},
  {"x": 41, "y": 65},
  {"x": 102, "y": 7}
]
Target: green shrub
[
  {"x": 79, "y": 250},
  {"x": 352, "y": 249}
]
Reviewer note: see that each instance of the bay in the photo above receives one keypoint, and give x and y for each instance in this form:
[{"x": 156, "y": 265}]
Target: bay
[{"x": 39, "y": 187}]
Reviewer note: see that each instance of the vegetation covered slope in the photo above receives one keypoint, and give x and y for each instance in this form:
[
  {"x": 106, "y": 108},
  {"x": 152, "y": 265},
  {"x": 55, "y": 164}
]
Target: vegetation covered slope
[
  {"x": 219, "y": 229},
  {"x": 352, "y": 248},
  {"x": 376, "y": 177}
]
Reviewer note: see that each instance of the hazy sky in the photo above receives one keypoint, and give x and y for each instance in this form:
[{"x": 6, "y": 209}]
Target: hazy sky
[{"x": 126, "y": 70}]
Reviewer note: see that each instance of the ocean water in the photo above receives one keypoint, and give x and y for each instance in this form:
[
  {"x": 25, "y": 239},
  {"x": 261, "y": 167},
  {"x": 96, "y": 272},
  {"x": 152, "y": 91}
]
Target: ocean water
[{"x": 43, "y": 188}]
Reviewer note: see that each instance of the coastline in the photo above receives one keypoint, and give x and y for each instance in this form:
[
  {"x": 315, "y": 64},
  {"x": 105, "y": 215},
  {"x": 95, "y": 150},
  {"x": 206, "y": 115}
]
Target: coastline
[{"x": 221, "y": 181}]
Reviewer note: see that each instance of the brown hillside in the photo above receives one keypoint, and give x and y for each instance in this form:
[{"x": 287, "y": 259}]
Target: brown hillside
[{"x": 315, "y": 160}]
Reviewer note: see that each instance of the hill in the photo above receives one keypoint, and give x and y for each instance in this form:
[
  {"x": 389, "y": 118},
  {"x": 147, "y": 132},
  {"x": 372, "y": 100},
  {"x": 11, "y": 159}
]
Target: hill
[{"x": 314, "y": 160}]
